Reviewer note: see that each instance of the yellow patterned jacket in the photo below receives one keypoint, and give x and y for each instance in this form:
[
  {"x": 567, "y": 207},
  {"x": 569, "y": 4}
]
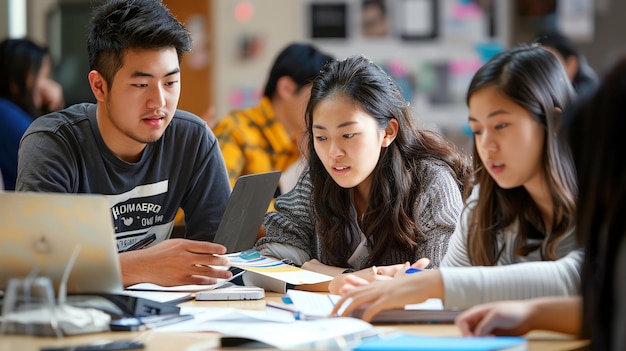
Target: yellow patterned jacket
[{"x": 253, "y": 141}]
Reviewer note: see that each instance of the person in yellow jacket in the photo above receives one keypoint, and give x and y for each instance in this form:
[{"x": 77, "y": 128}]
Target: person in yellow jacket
[{"x": 265, "y": 137}]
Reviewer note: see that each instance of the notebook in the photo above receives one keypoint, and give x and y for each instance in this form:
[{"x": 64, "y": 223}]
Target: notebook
[
  {"x": 245, "y": 210},
  {"x": 42, "y": 230}
]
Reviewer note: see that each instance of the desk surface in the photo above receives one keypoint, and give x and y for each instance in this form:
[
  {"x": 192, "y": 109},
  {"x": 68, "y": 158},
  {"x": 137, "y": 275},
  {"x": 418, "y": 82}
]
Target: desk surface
[{"x": 186, "y": 341}]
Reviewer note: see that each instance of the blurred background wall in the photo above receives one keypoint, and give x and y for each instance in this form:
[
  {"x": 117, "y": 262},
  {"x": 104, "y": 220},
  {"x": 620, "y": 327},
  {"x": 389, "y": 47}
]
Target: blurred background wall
[{"x": 431, "y": 47}]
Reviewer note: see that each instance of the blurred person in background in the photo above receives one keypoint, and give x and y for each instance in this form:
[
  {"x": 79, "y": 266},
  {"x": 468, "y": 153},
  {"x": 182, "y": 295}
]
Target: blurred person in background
[
  {"x": 266, "y": 137},
  {"x": 26, "y": 92},
  {"x": 582, "y": 76},
  {"x": 374, "y": 18}
]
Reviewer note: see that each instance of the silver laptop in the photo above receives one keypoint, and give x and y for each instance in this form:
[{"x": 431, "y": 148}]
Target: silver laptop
[
  {"x": 41, "y": 231},
  {"x": 245, "y": 210}
]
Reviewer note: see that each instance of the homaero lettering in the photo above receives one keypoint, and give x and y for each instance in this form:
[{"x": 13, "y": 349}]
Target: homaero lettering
[{"x": 135, "y": 207}]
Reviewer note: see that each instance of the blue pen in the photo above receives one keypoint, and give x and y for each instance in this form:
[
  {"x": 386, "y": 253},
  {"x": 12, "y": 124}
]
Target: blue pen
[{"x": 412, "y": 270}]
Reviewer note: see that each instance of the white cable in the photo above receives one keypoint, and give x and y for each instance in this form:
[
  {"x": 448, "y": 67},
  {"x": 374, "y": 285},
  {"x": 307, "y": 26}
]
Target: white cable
[{"x": 66, "y": 276}]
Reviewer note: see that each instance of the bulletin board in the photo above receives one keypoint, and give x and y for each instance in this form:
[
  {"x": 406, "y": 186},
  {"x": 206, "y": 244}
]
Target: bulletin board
[{"x": 432, "y": 48}]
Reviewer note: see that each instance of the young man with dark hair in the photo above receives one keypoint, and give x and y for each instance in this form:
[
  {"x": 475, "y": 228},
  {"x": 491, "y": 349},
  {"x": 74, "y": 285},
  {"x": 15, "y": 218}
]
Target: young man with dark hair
[
  {"x": 265, "y": 137},
  {"x": 136, "y": 148}
]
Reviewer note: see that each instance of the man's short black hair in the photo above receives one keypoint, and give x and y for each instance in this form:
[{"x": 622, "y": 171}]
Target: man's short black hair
[
  {"x": 562, "y": 44},
  {"x": 299, "y": 61},
  {"x": 119, "y": 25}
]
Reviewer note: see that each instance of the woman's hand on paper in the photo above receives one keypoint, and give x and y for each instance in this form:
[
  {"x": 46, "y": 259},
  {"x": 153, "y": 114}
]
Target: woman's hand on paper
[
  {"x": 382, "y": 295},
  {"x": 175, "y": 262},
  {"x": 342, "y": 283},
  {"x": 397, "y": 270}
]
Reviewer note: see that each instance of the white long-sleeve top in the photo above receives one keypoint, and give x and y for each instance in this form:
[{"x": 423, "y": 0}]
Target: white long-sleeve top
[{"x": 513, "y": 277}]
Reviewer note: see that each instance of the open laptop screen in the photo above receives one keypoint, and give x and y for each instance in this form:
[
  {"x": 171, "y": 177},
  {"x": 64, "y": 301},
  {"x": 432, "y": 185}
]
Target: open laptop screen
[{"x": 40, "y": 231}]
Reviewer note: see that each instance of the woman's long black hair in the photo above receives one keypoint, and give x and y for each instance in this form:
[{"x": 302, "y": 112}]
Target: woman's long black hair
[{"x": 388, "y": 221}]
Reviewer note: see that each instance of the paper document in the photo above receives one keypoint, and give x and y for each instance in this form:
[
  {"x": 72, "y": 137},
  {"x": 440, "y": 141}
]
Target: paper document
[
  {"x": 177, "y": 288},
  {"x": 323, "y": 334},
  {"x": 317, "y": 304},
  {"x": 272, "y": 274},
  {"x": 211, "y": 318}
]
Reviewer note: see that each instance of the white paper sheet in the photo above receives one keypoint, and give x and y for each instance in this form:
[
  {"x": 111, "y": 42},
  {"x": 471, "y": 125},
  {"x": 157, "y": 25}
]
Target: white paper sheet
[
  {"x": 210, "y": 318},
  {"x": 178, "y": 288},
  {"x": 273, "y": 327}
]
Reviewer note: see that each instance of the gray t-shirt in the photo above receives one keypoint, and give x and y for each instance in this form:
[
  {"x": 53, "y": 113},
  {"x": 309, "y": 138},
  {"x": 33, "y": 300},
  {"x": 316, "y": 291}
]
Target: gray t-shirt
[{"x": 64, "y": 152}]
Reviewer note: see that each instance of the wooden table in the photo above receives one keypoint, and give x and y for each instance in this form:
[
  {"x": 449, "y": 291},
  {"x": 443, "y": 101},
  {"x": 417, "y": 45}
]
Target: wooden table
[{"x": 203, "y": 341}]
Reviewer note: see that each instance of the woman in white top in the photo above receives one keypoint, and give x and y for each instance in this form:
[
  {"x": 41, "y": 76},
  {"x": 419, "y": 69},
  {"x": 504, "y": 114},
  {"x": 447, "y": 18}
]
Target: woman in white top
[
  {"x": 596, "y": 136},
  {"x": 515, "y": 239}
]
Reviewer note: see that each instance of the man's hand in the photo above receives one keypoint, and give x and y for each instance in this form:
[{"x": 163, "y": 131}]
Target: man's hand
[{"x": 175, "y": 262}]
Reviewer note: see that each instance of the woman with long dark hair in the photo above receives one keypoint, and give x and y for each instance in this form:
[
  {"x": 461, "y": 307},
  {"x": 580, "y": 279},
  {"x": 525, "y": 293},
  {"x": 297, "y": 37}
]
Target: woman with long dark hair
[
  {"x": 596, "y": 137},
  {"x": 378, "y": 190}
]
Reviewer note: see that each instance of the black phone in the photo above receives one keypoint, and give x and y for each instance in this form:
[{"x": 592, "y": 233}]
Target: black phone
[
  {"x": 110, "y": 346},
  {"x": 147, "y": 240}
]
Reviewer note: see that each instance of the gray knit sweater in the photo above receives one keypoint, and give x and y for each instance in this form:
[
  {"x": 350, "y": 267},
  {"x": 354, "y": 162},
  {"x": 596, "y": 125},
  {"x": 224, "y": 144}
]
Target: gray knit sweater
[{"x": 290, "y": 231}]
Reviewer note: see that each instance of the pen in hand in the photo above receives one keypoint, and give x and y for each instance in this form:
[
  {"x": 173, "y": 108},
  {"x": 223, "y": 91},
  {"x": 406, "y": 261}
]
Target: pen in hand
[{"x": 147, "y": 240}]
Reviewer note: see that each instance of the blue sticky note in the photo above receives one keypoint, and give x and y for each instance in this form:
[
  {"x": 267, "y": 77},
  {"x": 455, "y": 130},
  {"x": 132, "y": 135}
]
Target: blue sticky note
[
  {"x": 287, "y": 300},
  {"x": 405, "y": 342}
]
